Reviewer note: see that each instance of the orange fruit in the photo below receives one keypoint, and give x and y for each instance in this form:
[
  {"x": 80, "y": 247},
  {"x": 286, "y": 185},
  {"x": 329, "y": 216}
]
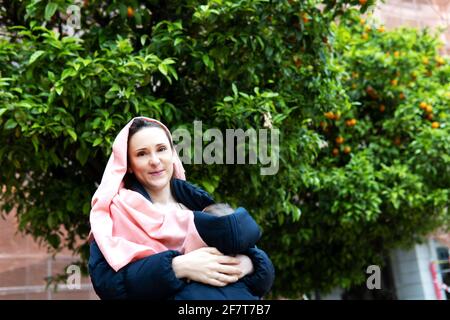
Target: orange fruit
[
  {"x": 362, "y": 2},
  {"x": 425, "y": 60},
  {"x": 381, "y": 29},
  {"x": 339, "y": 140},
  {"x": 362, "y": 21},
  {"x": 401, "y": 96},
  {"x": 350, "y": 123},
  {"x": 394, "y": 82},
  {"x": 130, "y": 12},
  {"x": 305, "y": 18},
  {"x": 371, "y": 92},
  {"x": 423, "y": 105},
  {"x": 428, "y": 109},
  {"x": 347, "y": 150},
  {"x": 396, "y": 54},
  {"x": 330, "y": 115},
  {"x": 435, "y": 125},
  {"x": 440, "y": 61},
  {"x": 365, "y": 36},
  {"x": 430, "y": 116},
  {"x": 382, "y": 108},
  {"x": 335, "y": 152}
]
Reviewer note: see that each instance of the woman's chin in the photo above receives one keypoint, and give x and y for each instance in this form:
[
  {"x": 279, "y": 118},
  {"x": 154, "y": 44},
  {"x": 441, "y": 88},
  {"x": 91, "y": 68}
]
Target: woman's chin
[{"x": 158, "y": 184}]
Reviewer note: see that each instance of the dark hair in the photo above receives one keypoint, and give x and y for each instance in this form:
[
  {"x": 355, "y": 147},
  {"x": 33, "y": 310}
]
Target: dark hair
[{"x": 139, "y": 124}]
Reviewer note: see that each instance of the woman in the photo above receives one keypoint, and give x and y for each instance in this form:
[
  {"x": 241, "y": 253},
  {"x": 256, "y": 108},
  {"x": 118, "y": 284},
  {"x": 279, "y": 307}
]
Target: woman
[{"x": 145, "y": 162}]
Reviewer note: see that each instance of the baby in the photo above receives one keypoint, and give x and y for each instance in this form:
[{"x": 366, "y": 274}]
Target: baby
[{"x": 232, "y": 232}]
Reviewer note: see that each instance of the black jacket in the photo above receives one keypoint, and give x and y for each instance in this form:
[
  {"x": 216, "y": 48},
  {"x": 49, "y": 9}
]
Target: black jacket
[{"x": 153, "y": 277}]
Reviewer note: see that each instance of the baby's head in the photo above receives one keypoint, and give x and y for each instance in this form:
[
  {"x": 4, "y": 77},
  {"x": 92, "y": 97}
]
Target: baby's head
[{"x": 219, "y": 209}]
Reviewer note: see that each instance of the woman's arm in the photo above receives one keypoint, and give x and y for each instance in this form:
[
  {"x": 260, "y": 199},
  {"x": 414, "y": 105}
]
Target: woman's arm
[
  {"x": 160, "y": 276},
  {"x": 148, "y": 278}
]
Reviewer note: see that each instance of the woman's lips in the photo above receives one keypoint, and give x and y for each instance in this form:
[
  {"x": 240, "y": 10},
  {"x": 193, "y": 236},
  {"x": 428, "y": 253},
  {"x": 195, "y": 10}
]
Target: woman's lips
[{"x": 157, "y": 173}]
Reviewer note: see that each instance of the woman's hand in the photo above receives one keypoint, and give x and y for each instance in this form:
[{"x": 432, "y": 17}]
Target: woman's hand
[
  {"x": 245, "y": 265},
  {"x": 209, "y": 266}
]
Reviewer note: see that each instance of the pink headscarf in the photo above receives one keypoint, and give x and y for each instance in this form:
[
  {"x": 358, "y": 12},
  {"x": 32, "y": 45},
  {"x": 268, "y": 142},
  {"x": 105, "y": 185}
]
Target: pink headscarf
[{"x": 125, "y": 225}]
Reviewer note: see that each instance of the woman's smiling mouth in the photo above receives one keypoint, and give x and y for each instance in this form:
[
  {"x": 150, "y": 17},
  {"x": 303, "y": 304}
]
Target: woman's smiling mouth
[{"x": 157, "y": 173}]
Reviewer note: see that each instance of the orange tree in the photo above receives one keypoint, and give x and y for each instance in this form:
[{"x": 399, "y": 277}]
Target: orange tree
[
  {"x": 383, "y": 170},
  {"x": 231, "y": 64}
]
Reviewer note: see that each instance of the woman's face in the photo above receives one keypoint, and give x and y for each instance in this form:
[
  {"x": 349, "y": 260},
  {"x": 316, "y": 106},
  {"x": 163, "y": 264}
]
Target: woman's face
[{"x": 151, "y": 158}]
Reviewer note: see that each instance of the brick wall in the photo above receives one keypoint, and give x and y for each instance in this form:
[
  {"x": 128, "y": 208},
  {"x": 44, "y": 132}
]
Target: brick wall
[
  {"x": 418, "y": 14},
  {"x": 24, "y": 265}
]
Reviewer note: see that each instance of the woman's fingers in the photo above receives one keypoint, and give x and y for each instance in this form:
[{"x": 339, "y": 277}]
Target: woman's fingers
[
  {"x": 216, "y": 283},
  {"x": 229, "y": 270},
  {"x": 228, "y": 260},
  {"x": 225, "y": 278}
]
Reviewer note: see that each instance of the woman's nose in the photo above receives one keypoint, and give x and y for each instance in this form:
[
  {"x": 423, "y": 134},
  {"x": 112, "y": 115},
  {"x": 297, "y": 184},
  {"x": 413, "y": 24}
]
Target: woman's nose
[{"x": 154, "y": 159}]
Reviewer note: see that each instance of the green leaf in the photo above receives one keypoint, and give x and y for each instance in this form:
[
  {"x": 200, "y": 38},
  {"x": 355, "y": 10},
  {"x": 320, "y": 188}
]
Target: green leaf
[
  {"x": 72, "y": 134},
  {"x": 137, "y": 18},
  {"x": 10, "y": 124},
  {"x": 208, "y": 62},
  {"x": 82, "y": 155},
  {"x": 35, "y": 56},
  {"x": 163, "y": 69},
  {"x": 108, "y": 124},
  {"x": 144, "y": 39},
  {"x": 59, "y": 90},
  {"x": 208, "y": 186},
  {"x": 50, "y": 10},
  {"x": 235, "y": 90},
  {"x": 177, "y": 41},
  {"x": 86, "y": 208},
  {"x": 68, "y": 73},
  {"x": 97, "y": 141},
  {"x": 35, "y": 141},
  {"x": 269, "y": 94}
]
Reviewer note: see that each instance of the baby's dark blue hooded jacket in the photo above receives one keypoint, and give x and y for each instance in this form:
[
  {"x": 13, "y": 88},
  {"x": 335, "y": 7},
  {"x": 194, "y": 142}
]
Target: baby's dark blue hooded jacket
[{"x": 153, "y": 277}]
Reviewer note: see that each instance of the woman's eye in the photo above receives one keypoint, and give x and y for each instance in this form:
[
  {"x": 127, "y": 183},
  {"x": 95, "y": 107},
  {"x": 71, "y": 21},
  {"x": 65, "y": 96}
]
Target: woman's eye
[
  {"x": 162, "y": 149},
  {"x": 140, "y": 154}
]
